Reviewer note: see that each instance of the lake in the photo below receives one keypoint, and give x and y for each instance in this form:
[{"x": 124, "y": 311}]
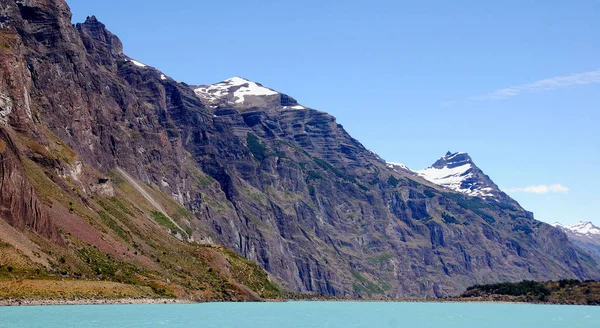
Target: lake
[{"x": 303, "y": 314}]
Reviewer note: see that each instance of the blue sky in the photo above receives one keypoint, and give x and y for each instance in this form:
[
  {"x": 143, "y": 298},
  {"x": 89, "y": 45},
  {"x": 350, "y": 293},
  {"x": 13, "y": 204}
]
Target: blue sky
[{"x": 514, "y": 83}]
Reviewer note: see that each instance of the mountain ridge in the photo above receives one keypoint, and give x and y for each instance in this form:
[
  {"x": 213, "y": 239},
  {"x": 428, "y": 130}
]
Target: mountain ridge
[
  {"x": 582, "y": 228},
  {"x": 285, "y": 187},
  {"x": 583, "y": 234}
]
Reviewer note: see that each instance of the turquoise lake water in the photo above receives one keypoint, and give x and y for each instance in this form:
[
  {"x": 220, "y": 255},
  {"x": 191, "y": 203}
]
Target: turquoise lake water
[{"x": 304, "y": 314}]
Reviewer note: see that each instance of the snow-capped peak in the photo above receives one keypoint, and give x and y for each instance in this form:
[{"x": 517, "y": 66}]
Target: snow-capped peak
[
  {"x": 580, "y": 228},
  {"x": 237, "y": 87},
  {"x": 394, "y": 166},
  {"x": 457, "y": 172},
  {"x": 450, "y": 155}
]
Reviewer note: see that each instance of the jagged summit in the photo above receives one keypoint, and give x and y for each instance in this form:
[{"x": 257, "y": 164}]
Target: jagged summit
[
  {"x": 453, "y": 160},
  {"x": 96, "y": 38},
  {"x": 91, "y": 19},
  {"x": 458, "y": 172}
]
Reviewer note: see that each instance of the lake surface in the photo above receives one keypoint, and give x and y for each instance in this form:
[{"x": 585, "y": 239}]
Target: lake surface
[{"x": 304, "y": 314}]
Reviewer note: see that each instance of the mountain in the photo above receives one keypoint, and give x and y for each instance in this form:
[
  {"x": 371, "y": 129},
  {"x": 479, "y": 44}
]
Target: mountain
[
  {"x": 106, "y": 156},
  {"x": 458, "y": 172},
  {"x": 583, "y": 234}
]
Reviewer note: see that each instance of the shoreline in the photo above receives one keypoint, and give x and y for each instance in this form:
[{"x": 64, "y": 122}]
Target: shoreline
[
  {"x": 116, "y": 301},
  {"x": 18, "y": 302}
]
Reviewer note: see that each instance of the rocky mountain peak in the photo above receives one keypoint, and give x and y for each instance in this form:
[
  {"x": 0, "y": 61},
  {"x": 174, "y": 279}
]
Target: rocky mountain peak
[
  {"x": 241, "y": 92},
  {"x": 92, "y": 20},
  {"x": 458, "y": 172},
  {"x": 98, "y": 39},
  {"x": 580, "y": 228},
  {"x": 453, "y": 160}
]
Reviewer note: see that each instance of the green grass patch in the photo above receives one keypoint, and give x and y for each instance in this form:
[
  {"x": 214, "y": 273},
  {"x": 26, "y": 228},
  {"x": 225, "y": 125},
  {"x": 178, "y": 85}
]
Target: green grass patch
[
  {"x": 164, "y": 221},
  {"x": 257, "y": 148},
  {"x": 380, "y": 259},
  {"x": 251, "y": 275},
  {"x": 449, "y": 218},
  {"x": 121, "y": 206},
  {"x": 364, "y": 285},
  {"x": 205, "y": 180},
  {"x": 429, "y": 193},
  {"x": 114, "y": 226},
  {"x": 115, "y": 178},
  {"x": 312, "y": 175},
  {"x": 105, "y": 267},
  {"x": 474, "y": 204}
]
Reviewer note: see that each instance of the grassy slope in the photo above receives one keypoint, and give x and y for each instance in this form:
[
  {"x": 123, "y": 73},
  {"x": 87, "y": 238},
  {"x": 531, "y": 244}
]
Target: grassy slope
[{"x": 117, "y": 245}]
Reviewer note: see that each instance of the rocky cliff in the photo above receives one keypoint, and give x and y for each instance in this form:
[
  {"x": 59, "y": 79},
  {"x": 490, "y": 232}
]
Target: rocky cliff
[{"x": 240, "y": 165}]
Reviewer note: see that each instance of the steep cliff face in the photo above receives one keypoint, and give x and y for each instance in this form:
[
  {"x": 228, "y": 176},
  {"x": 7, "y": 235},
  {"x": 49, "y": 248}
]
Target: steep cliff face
[
  {"x": 19, "y": 204},
  {"x": 68, "y": 213},
  {"x": 356, "y": 226},
  {"x": 282, "y": 184}
]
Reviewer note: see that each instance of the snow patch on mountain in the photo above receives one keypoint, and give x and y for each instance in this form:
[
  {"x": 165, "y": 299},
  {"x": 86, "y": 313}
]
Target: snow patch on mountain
[
  {"x": 137, "y": 63},
  {"x": 580, "y": 228},
  {"x": 395, "y": 166},
  {"x": 445, "y": 176},
  {"x": 238, "y": 87}
]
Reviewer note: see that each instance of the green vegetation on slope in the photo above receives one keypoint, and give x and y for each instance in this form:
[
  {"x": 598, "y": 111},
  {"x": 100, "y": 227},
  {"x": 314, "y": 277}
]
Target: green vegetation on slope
[
  {"x": 110, "y": 250},
  {"x": 165, "y": 222},
  {"x": 258, "y": 149}
]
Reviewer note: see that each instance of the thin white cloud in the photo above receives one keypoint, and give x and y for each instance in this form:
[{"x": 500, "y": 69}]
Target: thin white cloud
[
  {"x": 542, "y": 189},
  {"x": 551, "y": 84}
]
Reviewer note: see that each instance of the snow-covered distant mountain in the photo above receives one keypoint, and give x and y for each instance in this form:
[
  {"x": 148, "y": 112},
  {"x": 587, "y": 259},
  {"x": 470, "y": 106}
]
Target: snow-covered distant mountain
[
  {"x": 457, "y": 172},
  {"x": 396, "y": 166},
  {"x": 236, "y": 87},
  {"x": 587, "y": 229},
  {"x": 583, "y": 234},
  {"x": 239, "y": 91}
]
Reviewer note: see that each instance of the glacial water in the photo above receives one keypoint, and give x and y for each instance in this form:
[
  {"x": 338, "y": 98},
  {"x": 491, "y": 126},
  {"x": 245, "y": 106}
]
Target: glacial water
[{"x": 303, "y": 315}]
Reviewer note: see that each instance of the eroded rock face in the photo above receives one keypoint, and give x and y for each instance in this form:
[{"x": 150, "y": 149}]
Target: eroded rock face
[
  {"x": 19, "y": 204},
  {"x": 5, "y": 109},
  {"x": 282, "y": 184}
]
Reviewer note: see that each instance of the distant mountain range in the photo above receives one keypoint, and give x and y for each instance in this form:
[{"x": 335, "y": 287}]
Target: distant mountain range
[{"x": 583, "y": 234}]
